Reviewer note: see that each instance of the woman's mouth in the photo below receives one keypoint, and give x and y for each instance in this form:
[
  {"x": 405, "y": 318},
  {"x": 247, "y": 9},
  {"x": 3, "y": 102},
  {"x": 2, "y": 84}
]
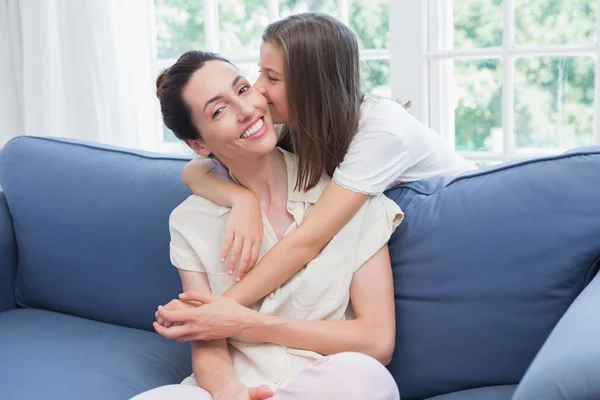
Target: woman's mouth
[{"x": 256, "y": 130}]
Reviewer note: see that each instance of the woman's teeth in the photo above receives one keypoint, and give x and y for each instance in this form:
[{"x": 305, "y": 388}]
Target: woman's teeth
[{"x": 253, "y": 129}]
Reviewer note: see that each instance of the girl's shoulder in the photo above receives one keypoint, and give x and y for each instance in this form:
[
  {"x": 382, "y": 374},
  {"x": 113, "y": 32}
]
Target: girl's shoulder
[{"x": 385, "y": 115}]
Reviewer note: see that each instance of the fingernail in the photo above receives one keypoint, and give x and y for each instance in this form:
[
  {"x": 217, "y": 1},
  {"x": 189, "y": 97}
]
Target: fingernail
[
  {"x": 230, "y": 272},
  {"x": 237, "y": 279},
  {"x": 222, "y": 260}
]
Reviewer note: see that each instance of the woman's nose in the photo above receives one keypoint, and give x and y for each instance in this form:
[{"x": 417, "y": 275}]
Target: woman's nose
[{"x": 246, "y": 111}]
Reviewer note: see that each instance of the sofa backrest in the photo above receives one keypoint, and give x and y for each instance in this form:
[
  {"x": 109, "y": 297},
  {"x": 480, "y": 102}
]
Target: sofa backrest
[
  {"x": 485, "y": 265},
  {"x": 8, "y": 257},
  {"x": 91, "y": 224}
]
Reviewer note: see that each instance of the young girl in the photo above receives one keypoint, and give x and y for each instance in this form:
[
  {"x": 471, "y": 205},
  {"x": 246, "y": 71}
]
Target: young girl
[
  {"x": 310, "y": 77},
  {"x": 325, "y": 334}
]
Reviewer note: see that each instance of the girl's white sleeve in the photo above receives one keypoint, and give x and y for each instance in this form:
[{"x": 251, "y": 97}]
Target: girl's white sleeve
[{"x": 375, "y": 160}]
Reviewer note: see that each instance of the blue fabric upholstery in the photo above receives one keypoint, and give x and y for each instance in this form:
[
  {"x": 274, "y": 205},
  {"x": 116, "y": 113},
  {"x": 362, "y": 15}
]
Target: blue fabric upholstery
[
  {"x": 567, "y": 365},
  {"x": 503, "y": 392},
  {"x": 8, "y": 257},
  {"x": 484, "y": 267},
  {"x": 91, "y": 224},
  {"x": 46, "y": 355}
]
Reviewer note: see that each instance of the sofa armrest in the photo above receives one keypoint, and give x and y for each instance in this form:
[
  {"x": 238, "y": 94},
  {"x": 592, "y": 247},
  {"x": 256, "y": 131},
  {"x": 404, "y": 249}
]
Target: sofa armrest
[
  {"x": 8, "y": 257},
  {"x": 567, "y": 365}
]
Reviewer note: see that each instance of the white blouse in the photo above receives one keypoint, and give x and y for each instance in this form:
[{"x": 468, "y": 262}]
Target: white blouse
[
  {"x": 320, "y": 291},
  {"x": 391, "y": 147}
]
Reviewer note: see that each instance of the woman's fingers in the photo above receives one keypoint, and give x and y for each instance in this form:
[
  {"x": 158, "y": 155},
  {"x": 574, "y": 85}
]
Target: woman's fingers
[{"x": 173, "y": 332}]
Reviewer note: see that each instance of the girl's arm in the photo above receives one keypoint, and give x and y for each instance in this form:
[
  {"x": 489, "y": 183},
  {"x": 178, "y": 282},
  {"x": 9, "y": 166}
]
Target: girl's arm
[
  {"x": 336, "y": 206},
  {"x": 372, "y": 332},
  {"x": 243, "y": 233}
]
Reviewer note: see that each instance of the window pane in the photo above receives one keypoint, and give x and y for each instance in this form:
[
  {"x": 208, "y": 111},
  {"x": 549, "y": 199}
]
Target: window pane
[
  {"x": 289, "y": 7},
  {"x": 168, "y": 135},
  {"x": 370, "y": 22},
  {"x": 554, "y": 102},
  {"x": 179, "y": 26},
  {"x": 241, "y": 23},
  {"x": 478, "y": 114},
  {"x": 249, "y": 70},
  {"x": 467, "y": 24},
  {"x": 375, "y": 77},
  {"x": 549, "y": 22}
]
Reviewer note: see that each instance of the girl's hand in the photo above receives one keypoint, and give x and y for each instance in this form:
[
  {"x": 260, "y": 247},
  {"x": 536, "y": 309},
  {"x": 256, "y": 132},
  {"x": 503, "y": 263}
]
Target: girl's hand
[
  {"x": 217, "y": 318},
  {"x": 172, "y": 305},
  {"x": 243, "y": 236}
]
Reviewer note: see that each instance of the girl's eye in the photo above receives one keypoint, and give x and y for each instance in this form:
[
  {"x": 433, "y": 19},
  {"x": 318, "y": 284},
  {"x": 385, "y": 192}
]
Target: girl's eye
[
  {"x": 217, "y": 112},
  {"x": 271, "y": 79}
]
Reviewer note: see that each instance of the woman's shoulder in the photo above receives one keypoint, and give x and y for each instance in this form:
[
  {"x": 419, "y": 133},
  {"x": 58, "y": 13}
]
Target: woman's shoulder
[{"x": 194, "y": 208}]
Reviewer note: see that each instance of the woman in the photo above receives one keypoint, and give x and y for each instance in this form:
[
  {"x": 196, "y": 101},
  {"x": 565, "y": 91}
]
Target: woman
[
  {"x": 310, "y": 76},
  {"x": 313, "y": 337}
]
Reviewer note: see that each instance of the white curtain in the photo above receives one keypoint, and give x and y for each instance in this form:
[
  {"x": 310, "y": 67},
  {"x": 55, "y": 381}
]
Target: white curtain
[{"x": 78, "y": 68}]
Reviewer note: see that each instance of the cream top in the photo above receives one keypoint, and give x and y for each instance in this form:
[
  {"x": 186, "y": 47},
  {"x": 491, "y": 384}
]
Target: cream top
[{"x": 320, "y": 291}]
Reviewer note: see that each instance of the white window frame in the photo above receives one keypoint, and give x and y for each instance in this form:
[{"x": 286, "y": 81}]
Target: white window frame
[
  {"x": 417, "y": 77},
  {"x": 211, "y": 33}
]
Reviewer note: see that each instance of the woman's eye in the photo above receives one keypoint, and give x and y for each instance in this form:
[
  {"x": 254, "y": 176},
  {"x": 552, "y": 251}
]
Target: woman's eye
[
  {"x": 217, "y": 112},
  {"x": 244, "y": 89},
  {"x": 271, "y": 79}
]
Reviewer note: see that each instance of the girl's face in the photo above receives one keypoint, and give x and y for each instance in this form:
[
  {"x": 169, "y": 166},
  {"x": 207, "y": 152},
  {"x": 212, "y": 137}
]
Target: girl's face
[
  {"x": 233, "y": 117},
  {"x": 271, "y": 81}
]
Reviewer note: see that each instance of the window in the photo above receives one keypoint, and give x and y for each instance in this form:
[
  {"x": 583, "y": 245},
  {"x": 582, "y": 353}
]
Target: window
[
  {"x": 500, "y": 79},
  {"x": 233, "y": 28}
]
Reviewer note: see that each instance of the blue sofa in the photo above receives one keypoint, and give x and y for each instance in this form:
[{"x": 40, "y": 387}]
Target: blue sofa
[{"x": 494, "y": 276}]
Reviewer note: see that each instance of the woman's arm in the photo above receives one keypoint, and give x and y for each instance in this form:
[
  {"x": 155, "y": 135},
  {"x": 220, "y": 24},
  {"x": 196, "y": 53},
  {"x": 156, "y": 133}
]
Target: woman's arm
[
  {"x": 329, "y": 215},
  {"x": 372, "y": 332},
  {"x": 243, "y": 233},
  {"x": 211, "y": 362}
]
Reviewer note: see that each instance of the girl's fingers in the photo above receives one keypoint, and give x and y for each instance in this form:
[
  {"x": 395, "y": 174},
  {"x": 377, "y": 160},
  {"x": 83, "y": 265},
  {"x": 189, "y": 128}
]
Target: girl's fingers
[
  {"x": 226, "y": 245},
  {"x": 235, "y": 254}
]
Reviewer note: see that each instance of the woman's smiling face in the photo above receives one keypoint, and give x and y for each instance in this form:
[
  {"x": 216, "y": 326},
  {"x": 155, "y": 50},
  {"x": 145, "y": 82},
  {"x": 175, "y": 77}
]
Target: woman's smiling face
[{"x": 233, "y": 118}]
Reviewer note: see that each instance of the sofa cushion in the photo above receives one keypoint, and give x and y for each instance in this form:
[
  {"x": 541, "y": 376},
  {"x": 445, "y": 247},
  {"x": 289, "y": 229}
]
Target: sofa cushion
[
  {"x": 485, "y": 265},
  {"x": 503, "y": 392},
  {"x": 91, "y": 224},
  {"x": 46, "y": 355},
  {"x": 8, "y": 257}
]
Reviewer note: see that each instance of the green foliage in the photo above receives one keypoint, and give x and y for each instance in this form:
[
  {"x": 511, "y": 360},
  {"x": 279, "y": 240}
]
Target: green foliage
[
  {"x": 180, "y": 27},
  {"x": 554, "y": 96}
]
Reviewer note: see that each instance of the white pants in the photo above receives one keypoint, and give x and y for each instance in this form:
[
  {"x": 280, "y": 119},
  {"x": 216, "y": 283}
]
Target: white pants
[{"x": 349, "y": 376}]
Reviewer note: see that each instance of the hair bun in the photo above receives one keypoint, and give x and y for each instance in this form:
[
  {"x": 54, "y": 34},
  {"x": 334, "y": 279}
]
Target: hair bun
[{"x": 160, "y": 79}]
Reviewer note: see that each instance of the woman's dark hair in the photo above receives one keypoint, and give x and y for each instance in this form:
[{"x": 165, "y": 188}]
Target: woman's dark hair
[
  {"x": 322, "y": 78},
  {"x": 170, "y": 83}
]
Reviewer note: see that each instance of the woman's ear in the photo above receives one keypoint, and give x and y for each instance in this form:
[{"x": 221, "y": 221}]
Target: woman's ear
[{"x": 198, "y": 146}]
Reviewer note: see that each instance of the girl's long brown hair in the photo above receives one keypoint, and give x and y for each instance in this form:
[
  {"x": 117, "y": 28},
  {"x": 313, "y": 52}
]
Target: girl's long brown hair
[{"x": 322, "y": 77}]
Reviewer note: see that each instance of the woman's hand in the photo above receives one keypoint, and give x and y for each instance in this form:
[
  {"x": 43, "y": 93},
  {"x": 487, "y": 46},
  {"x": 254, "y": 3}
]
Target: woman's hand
[
  {"x": 243, "y": 236},
  {"x": 217, "y": 318}
]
